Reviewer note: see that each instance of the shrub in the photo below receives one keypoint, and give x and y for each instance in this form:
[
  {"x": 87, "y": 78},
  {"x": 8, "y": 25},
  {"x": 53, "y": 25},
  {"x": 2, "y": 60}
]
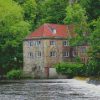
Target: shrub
[
  {"x": 93, "y": 68},
  {"x": 14, "y": 74},
  {"x": 70, "y": 69}
]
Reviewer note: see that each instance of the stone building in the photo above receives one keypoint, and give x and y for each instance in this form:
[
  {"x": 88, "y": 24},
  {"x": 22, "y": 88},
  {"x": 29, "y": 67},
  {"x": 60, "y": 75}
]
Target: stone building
[{"x": 46, "y": 46}]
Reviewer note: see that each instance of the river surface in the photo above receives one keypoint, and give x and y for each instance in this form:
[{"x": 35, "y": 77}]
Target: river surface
[{"x": 52, "y": 89}]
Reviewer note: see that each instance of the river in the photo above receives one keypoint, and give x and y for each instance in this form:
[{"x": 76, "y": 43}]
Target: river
[{"x": 51, "y": 89}]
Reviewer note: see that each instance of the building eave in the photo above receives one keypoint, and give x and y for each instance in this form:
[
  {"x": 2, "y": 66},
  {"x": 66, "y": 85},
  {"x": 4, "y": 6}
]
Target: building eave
[{"x": 42, "y": 38}]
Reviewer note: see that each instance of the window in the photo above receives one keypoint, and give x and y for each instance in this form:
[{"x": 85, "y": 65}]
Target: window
[
  {"x": 74, "y": 53},
  {"x": 37, "y": 43},
  {"x": 83, "y": 60},
  {"x": 53, "y": 54},
  {"x": 39, "y": 67},
  {"x": 33, "y": 42},
  {"x": 38, "y": 54},
  {"x": 66, "y": 54},
  {"x": 83, "y": 50},
  {"x": 30, "y": 55},
  {"x": 52, "y": 42},
  {"x": 30, "y": 43},
  {"x": 53, "y": 30},
  {"x": 65, "y": 43}
]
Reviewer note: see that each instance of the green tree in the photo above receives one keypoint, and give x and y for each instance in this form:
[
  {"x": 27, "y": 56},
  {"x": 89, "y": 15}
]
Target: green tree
[
  {"x": 12, "y": 31},
  {"x": 94, "y": 52},
  {"x": 92, "y": 8},
  {"x": 39, "y": 13},
  {"x": 53, "y": 11},
  {"x": 76, "y": 15},
  {"x": 30, "y": 11}
]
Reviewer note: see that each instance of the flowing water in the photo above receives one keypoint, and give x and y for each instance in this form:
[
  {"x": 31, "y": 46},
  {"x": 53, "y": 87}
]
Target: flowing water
[{"x": 55, "y": 89}]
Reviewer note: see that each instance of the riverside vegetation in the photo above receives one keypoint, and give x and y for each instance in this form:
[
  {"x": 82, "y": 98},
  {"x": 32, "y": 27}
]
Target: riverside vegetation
[{"x": 19, "y": 17}]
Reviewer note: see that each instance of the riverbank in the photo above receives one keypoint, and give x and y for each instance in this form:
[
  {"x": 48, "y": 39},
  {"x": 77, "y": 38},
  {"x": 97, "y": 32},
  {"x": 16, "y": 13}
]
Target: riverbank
[
  {"x": 86, "y": 78},
  {"x": 90, "y": 80}
]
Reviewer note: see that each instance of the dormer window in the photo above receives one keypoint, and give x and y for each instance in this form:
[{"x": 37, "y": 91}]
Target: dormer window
[{"x": 53, "y": 30}]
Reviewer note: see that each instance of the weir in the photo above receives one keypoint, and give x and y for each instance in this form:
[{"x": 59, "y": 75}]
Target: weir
[{"x": 51, "y": 89}]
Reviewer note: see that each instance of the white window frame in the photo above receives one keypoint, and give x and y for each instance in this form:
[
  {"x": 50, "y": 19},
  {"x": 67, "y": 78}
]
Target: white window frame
[
  {"x": 38, "y": 54},
  {"x": 53, "y": 54},
  {"x": 30, "y": 55},
  {"x": 53, "y": 30},
  {"x": 52, "y": 42},
  {"x": 65, "y": 43},
  {"x": 30, "y": 43},
  {"x": 34, "y": 42},
  {"x": 37, "y": 43},
  {"x": 74, "y": 53},
  {"x": 66, "y": 54},
  {"x": 83, "y": 49}
]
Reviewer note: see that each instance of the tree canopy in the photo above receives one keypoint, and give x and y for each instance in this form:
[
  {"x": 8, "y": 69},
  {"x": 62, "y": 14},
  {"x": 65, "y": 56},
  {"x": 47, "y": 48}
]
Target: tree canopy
[
  {"x": 53, "y": 11},
  {"x": 13, "y": 28}
]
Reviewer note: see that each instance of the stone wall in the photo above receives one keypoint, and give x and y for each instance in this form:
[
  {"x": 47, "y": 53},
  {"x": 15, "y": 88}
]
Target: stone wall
[
  {"x": 39, "y": 66},
  {"x": 33, "y": 64},
  {"x": 50, "y": 61}
]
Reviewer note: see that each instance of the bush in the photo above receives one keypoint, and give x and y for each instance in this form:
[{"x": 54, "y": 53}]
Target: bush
[
  {"x": 14, "y": 74},
  {"x": 93, "y": 68},
  {"x": 70, "y": 69}
]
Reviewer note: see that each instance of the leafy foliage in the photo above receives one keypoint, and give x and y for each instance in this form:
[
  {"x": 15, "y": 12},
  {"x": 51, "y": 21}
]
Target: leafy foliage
[
  {"x": 70, "y": 69},
  {"x": 13, "y": 29},
  {"x": 94, "y": 52},
  {"x": 53, "y": 12},
  {"x": 76, "y": 15},
  {"x": 30, "y": 8},
  {"x": 92, "y": 8},
  {"x": 14, "y": 74},
  {"x": 29, "y": 11}
]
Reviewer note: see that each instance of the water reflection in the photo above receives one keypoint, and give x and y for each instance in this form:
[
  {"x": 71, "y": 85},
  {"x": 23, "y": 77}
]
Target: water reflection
[{"x": 69, "y": 89}]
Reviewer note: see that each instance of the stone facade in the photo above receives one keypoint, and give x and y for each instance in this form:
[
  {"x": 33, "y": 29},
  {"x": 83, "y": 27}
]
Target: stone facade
[
  {"x": 33, "y": 61},
  {"x": 38, "y": 58}
]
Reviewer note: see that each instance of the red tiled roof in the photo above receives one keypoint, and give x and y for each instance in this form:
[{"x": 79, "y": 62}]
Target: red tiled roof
[{"x": 46, "y": 31}]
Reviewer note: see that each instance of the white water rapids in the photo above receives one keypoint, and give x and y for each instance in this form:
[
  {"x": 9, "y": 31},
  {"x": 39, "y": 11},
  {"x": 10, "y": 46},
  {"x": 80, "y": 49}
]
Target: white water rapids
[{"x": 52, "y": 89}]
